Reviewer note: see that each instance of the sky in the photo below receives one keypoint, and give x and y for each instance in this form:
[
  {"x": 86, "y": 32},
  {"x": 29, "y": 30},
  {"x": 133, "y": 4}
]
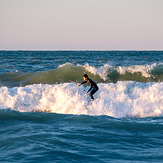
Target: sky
[{"x": 81, "y": 24}]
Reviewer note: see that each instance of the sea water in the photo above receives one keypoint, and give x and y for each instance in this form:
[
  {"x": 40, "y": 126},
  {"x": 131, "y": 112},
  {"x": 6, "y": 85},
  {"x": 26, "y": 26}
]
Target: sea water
[{"x": 44, "y": 117}]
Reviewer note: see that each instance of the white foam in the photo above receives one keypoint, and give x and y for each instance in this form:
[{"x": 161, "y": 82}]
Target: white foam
[
  {"x": 101, "y": 71},
  {"x": 65, "y": 64},
  {"x": 145, "y": 70},
  {"x": 122, "y": 99}
]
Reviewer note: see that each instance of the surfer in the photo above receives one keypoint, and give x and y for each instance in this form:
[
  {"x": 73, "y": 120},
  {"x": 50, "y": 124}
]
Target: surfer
[{"x": 92, "y": 84}]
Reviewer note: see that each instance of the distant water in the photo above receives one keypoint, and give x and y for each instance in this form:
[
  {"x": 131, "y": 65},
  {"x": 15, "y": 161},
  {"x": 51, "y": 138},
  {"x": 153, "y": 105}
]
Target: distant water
[{"x": 44, "y": 117}]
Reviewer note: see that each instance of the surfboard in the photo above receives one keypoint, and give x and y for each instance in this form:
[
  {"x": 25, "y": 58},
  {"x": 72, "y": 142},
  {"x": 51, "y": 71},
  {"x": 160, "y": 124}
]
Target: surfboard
[{"x": 78, "y": 86}]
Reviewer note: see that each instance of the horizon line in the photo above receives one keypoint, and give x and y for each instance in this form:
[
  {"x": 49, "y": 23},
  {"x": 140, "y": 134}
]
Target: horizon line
[{"x": 81, "y": 49}]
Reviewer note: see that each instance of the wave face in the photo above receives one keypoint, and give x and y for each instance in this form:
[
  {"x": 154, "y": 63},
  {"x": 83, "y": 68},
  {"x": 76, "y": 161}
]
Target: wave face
[
  {"x": 103, "y": 74},
  {"x": 123, "y": 99}
]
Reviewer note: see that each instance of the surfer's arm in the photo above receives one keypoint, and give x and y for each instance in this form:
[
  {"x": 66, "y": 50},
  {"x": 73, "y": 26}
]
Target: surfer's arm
[
  {"x": 82, "y": 83},
  {"x": 90, "y": 89}
]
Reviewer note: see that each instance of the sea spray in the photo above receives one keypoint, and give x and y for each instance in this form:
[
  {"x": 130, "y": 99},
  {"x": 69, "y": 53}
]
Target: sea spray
[{"x": 123, "y": 99}]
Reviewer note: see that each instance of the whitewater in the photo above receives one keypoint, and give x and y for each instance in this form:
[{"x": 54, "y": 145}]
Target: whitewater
[{"x": 123, "y": 99}]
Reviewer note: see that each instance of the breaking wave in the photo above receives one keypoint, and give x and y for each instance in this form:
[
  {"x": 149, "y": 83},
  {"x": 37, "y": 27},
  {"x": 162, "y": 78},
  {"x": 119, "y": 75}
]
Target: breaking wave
[
  {"x": 104, "y": 74},
  {"x": 123, "y": 99}
]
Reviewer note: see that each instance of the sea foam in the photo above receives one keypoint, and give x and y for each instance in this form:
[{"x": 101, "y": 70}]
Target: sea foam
[{"x": 123, "y": 99}]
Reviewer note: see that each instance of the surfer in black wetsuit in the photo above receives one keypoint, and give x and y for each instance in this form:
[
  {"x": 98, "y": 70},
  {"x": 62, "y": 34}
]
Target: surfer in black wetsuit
[{"x": 92, "y": 84}]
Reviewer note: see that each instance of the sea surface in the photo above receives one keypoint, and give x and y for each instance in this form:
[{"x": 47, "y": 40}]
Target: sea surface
[{"x": 45, "y": 117}]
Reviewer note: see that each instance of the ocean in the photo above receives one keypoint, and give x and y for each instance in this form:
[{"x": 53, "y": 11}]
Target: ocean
[{"x": 45, "y": 117}]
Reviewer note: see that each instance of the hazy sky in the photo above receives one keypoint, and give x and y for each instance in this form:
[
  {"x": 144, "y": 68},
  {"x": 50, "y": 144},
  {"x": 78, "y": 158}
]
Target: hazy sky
[{"x": 81, "y": 24}]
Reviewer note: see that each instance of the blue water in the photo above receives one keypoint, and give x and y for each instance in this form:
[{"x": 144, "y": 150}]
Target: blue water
[
  {"x": 46, "y": 118},
  {"x": 49, "y": 137}
]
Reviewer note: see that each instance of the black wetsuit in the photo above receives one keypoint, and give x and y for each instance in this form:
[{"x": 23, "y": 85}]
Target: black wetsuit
[{"x": 93, "y": 85}]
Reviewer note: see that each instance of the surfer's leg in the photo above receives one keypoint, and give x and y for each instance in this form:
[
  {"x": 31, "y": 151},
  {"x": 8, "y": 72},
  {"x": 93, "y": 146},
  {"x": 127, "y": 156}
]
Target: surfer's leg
[
  {"x": 93, "y": 92},
  {"x": 91, "y": 96}
]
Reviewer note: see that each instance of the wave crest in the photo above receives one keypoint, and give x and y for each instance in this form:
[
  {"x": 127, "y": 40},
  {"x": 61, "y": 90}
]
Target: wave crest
[{"x": 103, "y": 74}]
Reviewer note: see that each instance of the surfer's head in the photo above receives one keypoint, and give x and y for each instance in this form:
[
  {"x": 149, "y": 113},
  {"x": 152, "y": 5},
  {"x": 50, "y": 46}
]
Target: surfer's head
[{"x": 85, "y": 77}]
